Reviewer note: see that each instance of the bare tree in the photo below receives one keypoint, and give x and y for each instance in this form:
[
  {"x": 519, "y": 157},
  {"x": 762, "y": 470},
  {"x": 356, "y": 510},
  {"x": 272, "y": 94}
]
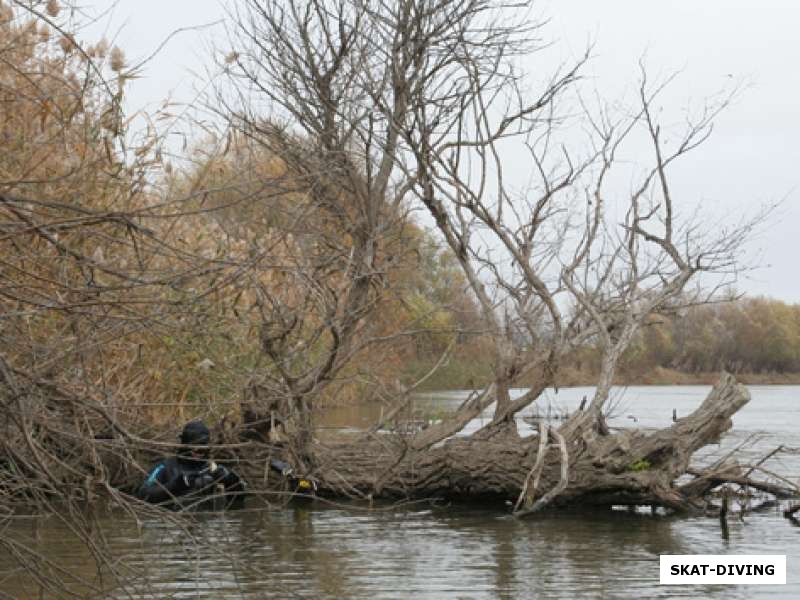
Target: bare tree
[
  {"x": 339, "y": 157},
  {"x": 426, "y": 99}
]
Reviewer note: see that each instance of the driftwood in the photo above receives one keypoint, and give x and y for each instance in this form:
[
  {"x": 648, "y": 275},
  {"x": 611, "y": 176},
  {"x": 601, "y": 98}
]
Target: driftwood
[{"x": 578, "y": 463}]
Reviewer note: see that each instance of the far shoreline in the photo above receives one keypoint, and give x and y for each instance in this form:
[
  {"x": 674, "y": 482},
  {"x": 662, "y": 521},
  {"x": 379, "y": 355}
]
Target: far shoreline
[{"x": 571, "y": 378}]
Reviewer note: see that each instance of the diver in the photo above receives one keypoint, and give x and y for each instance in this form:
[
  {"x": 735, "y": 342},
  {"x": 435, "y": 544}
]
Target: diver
[{"x": 190, "y": 477}]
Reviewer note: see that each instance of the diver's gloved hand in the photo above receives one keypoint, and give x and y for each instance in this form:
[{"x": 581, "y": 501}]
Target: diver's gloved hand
[
  {"x": 281, "y": 467},
  {"x": 198, "y": 481},
  {"x": 215, "y": 470}
]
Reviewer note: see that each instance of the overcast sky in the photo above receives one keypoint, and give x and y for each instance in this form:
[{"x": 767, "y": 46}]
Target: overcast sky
[{"x": 753, "y": 157}]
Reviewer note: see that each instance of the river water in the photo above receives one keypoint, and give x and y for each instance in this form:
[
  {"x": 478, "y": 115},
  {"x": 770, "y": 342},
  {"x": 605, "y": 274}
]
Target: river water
[{"x": 332, "y": 551}]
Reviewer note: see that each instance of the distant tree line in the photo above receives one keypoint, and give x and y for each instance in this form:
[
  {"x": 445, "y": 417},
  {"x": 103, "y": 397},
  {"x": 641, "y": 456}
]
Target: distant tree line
[{"x": 747, "y": 335}]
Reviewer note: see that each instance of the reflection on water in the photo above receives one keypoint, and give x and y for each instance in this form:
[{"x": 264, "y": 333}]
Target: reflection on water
[{"x": 320, "y": 551}]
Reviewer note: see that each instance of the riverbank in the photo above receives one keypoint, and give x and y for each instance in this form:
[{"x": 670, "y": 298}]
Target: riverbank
[
  {"x": 661, "y": 376},
  {"x": 461, "y": 374}
]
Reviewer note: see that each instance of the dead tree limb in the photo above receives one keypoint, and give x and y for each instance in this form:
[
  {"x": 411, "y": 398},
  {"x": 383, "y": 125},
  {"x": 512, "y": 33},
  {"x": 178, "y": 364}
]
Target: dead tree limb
[{"x": 562, "y": 482}]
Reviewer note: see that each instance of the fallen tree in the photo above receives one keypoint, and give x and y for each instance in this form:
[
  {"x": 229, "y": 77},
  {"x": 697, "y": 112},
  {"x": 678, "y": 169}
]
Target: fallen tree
[
  {"x": 424, "y": 105},
  {"x": 578, "y": 463}
]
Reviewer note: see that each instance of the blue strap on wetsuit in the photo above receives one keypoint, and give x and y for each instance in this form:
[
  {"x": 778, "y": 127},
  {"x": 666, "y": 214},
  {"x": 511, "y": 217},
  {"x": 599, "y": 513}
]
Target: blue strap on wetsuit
[{"x": 153, "y": 477}]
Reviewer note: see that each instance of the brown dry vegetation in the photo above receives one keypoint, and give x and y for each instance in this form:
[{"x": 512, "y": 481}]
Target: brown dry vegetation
[{"x": 133, "y": 293}]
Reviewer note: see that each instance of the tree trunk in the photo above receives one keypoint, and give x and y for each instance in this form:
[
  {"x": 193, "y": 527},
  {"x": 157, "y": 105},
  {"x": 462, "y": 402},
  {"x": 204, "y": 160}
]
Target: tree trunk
[{"x": 581, "y": 463}]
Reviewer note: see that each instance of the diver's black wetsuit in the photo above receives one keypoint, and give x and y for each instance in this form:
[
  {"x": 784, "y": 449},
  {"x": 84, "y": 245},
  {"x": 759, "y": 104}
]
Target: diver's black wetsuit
[{"x": 191, "y": 479}]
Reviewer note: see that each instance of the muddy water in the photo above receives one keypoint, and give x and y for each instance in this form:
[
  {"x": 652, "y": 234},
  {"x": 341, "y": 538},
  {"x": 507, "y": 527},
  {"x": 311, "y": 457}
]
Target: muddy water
[{"x": 322, "y": 551}]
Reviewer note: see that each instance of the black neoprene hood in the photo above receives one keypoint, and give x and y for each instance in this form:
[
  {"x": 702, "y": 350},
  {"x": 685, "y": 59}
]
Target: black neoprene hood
[{"x": 195, "y": 433}]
